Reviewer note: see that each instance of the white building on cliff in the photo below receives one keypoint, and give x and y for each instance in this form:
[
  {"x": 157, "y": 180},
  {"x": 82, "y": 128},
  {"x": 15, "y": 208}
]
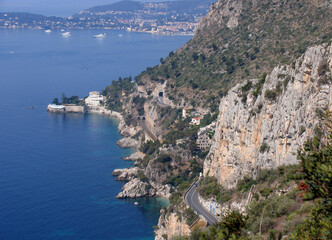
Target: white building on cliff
[{"x": 95, "y": 99}]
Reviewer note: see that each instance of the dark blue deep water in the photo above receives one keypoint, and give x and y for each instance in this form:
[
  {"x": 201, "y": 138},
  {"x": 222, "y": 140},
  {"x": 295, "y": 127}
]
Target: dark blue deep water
[{"x": 56, "y": 170}]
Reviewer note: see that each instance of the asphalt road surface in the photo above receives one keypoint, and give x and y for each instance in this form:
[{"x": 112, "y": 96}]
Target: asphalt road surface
[{"x": 191, "y": 198}]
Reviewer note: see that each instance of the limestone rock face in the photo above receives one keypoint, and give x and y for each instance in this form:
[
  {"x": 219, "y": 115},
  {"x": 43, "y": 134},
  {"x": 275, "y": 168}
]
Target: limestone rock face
[
  {"x": 162, "y": 190},
  {"x": 135, "y": 156},
  {"x": 135, "y": 189},
  {"x": 265, "y": 131},
  {"x": 223, "y": 12},
  {"x": 170, "y": 226},
  {"x": 128, "y": 143},
  {"x": 125, "y": 174}
]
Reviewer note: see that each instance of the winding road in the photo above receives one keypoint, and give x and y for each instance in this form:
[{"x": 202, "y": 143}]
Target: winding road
[{"x": 191, "y": 198}]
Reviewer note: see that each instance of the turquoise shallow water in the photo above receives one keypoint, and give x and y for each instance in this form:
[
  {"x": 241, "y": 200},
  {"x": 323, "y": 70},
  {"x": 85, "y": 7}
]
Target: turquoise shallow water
[{"x": 56, "y": 170}]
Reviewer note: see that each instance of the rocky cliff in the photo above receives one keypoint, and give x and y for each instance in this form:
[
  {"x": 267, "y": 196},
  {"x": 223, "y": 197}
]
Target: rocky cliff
[
  {"x": 170, "y": 226},
  {"x": 262, "y": 122}
]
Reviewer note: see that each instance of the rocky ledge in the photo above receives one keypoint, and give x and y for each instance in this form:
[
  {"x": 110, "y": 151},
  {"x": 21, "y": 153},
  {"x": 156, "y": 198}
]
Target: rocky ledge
[
  {"x": 128, "y": 143},
  {"x": 135, "y": 156},
  {"x": 135, "y": 189},
  {"x": 125, "y": 174}
]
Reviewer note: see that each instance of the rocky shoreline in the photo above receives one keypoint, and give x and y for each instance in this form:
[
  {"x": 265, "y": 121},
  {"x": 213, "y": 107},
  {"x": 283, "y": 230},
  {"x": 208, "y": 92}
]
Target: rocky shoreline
[
  {"x": 135, "y": 186},
  {"x": 135, "y": 156},
  {"x": 128, "y": 143}
]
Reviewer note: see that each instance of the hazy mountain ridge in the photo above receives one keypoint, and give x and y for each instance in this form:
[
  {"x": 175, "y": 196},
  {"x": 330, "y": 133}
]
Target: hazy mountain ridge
[{"x": 184, "y": 6}]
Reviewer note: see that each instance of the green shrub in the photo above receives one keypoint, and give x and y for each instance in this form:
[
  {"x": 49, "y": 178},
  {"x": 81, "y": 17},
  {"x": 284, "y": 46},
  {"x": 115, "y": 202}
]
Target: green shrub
[
  {"x": 259, "y": 85},
  {"x": 179, "y": 238},
  {"x": 224, "y": 196},
  {"x": 302, "y": 130},
  {"x": 259, "y": 107},
  {"x": 246, "y": 87},
  {"x": 267, "y": 210},
  {"x": 183, "y": 186},
  {"x": 256, "y": 196},
  {"x": 202, "y": 155},
  {"x": 190, "y": 216},
  {"x": 164, "y": 158},
  {"x": 266, "y": 192},
  {"x": 175, "y": 180},
  {"x": 270, "y": 95},
  {"x": 286, "y": 81},
  {"x": 267, "y": 175},
  {"x": 264, "y": 148},
  {"x": 245, "y": 184},
  {"x": 175, "y": 198},
  {"x": 209, "y": 187},
  {"x": 150, "y": 147},
  {"x": 141, "y": 176}
]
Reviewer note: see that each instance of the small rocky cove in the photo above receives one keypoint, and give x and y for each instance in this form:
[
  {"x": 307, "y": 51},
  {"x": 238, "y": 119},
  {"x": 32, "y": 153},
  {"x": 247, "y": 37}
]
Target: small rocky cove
[{"x": 135, "y": 187}]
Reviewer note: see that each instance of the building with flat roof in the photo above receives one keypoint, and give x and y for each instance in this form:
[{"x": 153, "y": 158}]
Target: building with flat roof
[
  {"x": 95, "y": 99},
  {"x": 204, "y": 141}
]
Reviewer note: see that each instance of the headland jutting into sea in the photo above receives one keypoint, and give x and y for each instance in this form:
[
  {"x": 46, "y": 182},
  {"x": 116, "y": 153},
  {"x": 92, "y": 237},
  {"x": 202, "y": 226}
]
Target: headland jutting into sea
[{"x": 94, "y": 104}]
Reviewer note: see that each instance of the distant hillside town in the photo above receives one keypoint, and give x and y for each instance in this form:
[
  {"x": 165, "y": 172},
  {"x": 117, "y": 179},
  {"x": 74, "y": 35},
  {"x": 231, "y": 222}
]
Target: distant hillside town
[{"x": 175, "y": 17}]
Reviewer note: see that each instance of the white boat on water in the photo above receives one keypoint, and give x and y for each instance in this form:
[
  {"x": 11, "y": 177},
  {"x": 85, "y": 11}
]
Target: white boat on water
[
  {"x": 102, "y": 35},
  {"x": 66, "y": 34},
  {"x": 48, "y": 31},
  {"x": 136, "y": 203}
]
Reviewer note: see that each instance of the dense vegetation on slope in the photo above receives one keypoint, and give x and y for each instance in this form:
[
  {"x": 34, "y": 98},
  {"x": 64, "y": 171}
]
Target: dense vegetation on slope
[
  {"x": 117, "y": 92},
  {"x": 237, "y": 40}
]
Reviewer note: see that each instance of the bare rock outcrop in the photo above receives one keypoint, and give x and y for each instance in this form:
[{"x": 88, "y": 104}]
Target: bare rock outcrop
[
  {"x": 128, "y": 143},
  {"x": 265, "y": 130},
  {"x": 170, "y": 226},
  {"x": 135, "y": 189},
  {"x": 135, "y": 156},
  {"x": 223, "y": 13},
  {"x": 162, "y": 190},
  {"x": 125, "y": 174}
]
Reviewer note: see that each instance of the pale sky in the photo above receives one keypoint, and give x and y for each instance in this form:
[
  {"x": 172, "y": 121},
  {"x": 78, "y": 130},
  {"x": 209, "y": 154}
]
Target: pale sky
[{"x": 51, "y": 7}]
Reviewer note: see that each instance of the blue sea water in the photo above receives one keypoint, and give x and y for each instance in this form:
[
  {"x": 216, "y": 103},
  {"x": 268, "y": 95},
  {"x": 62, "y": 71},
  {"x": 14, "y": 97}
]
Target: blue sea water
[{"x": 56, "y": 170}]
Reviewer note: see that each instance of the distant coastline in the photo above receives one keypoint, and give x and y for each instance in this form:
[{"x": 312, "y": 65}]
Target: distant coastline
[
  {"x": 162, "y": 18},
  {"x": 38, "y": 22}
]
